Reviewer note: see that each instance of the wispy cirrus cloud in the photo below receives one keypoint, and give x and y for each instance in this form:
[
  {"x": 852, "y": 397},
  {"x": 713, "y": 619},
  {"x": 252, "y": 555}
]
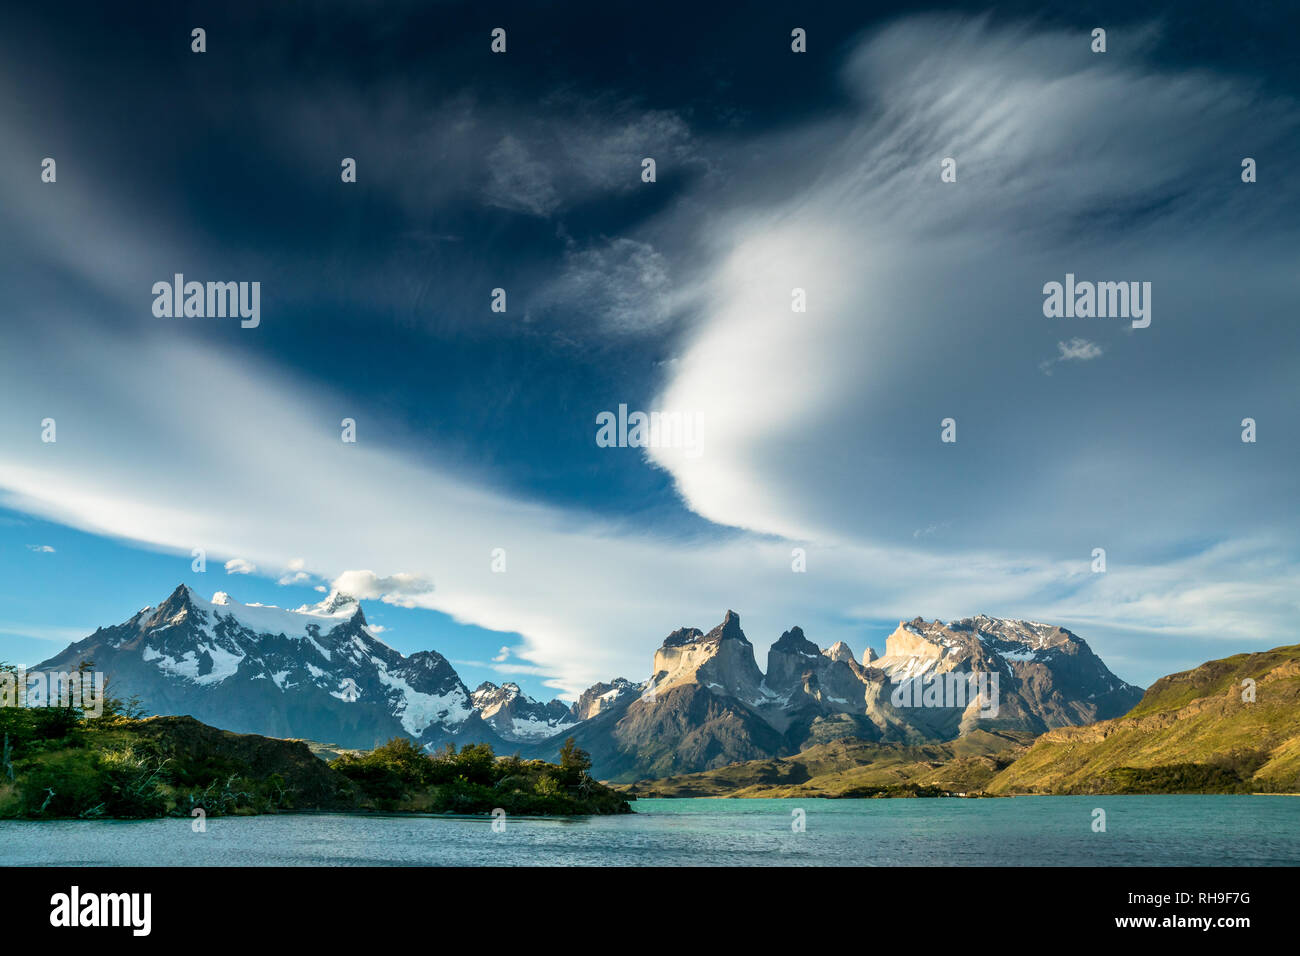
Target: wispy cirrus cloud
[
  {"x": 45, "y": 632},
  {"x": 623, "y": 283}
]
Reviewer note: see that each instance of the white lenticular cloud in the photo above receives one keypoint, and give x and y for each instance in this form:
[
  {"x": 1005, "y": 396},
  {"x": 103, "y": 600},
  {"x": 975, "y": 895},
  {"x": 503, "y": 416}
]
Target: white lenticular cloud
[{"x": 923, "y": 297}]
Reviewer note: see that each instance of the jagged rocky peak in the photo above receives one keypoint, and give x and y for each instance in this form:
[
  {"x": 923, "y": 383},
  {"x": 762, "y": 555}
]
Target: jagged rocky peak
[
  {"x": 728, "y": 630},
  {"x": 792, "y": 650},
  {"x": 916, "y": 638},
  {"x": 793, "y": 641},
  {"x": 979, "y": 635},
  {"x": 336, "y": 601},
  {"x": 721, "y": 660},
  {"x": 182, "y": 607},
  {"x": 488, "y": 694},
  {"x": 918, "y": 647},
  {"x": 683, "y": 635},
  {"x": 839, "y": 651},
  {"x": 178, "y": 604},
  {"x": 1026, "y": 632},
  {"x": 600, "y": 697},
  {"x": 428, "y": 660},
  {"x": 334, "y": 604},
  {"x": 791, "y": 660},
  {"x": 516, "y": 716}
]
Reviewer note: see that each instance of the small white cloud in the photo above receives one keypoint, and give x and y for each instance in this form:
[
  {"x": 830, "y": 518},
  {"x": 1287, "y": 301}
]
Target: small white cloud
[
  {"x": 1078, "y": 350},
  {"x": 297, "y": 564},
  {"x": 40, "y": 548},
  {"x": 511, "y": 669},
  {"x": 1075, "y": 350},
  {"x": 321, "y": 588},
  {"x": 502, "y": 655},
  {"x": 931, "y": 529},
  {"x": 402, "y": 590},
  {"x": 376, "y": 628},
  {"x": 240, "y": 566},
  {"x": 298, "y": 577}
]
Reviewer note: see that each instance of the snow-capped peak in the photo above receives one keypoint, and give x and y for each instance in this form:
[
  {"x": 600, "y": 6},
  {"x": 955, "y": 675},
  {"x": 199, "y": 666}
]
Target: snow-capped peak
[
  {"x": 269, "y": 619},
  {"x": 337, "y": 601},
  {"x": 333, "y": 604}
]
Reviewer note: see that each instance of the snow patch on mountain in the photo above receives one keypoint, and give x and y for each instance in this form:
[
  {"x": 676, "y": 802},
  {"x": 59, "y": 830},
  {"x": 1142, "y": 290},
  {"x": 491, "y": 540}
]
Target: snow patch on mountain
[
  {"x": 418, "y": 711},
  {"x": 516, "y": 716}
]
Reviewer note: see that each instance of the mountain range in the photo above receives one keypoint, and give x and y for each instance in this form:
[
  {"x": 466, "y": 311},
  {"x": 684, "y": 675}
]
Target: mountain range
[
  {"x": 1228, "y": 726},
  {"x": 320, "y": 672},
  {"x": 708, "y": 705}
]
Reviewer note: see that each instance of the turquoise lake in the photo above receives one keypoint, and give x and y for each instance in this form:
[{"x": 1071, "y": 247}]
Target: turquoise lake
[{"x": 1021, "y": 831}]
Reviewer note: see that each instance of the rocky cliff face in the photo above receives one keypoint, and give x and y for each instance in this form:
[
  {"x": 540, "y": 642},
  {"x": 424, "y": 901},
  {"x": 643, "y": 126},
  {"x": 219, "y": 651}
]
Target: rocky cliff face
[
  {"x": 722, "y": 659},
  {"x": 805, "y": 684},
  {"x": 839, "y": 651},
  {"x": 1047, "y": 676}
]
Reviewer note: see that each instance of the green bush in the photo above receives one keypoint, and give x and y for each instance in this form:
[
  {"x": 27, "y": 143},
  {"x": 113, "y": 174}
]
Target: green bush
[{"x": 477, "y": 764}]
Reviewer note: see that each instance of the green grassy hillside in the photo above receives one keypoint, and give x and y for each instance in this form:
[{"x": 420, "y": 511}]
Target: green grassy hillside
[{"x": 1192, "y": 732}]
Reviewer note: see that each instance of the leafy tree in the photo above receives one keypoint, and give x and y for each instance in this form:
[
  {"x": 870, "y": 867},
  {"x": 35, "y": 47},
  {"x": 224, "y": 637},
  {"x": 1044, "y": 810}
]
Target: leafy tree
[
  {"x": 574, "y": 762},
  {"x": 477, "y": 764}
]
